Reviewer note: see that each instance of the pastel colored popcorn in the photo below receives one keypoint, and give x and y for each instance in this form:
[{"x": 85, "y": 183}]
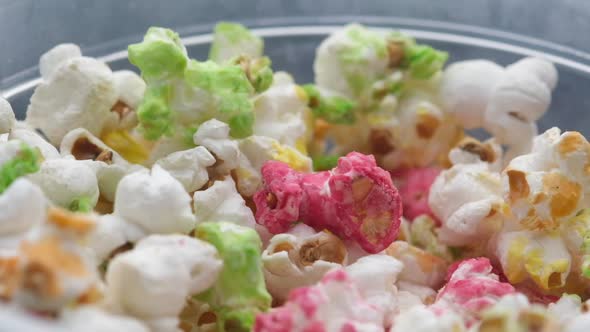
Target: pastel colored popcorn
[
  {"x": 422, "y": 233},
  {"x": 334, "y": 304},
  {"x": 414, "y": 187},
  {"x": 300, "y": 258},
  {"x": 170, "y": 267},
  {"x": 239, "y": 292},
  {"x": 231, "y": 40},
  {"x": 23, "y": 133},
  {"x": 7, "y": 118},
  {"x": 17, "y": 159},
  {"x": 222, "y": 202},
  {"x": 422, "y": 319},
  {"x": 471, "y": 288},
  {"x": 361, "y": 204}
]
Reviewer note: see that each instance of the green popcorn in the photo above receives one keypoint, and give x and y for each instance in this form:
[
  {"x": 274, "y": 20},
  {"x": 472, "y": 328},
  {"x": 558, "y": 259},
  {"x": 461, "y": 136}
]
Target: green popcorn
[
  {"x": 423, "y": 235},
  {"x": 241, "y": 125},
  {"x": 155, "y": 117},
  {"x": 82, "y": 204},
  {"x": 27, "y": 161},
  {"x": 260, "y": 74},
  {"x": 233, "y": 39},
  {"x": 424, "y": 61},
  {"x": 333, "y": 109},
  {"x": 239, "y": 293},
  {"x": 160, "y": 55},
  {"x": 325, "y": 163}
]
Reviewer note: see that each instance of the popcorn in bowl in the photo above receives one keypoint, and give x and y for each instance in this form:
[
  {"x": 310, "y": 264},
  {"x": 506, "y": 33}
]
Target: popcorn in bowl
[{"x": 219, "y": 194}]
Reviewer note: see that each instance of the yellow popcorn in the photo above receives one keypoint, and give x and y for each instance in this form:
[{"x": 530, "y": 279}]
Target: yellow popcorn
[
  {"x": 291, "y": 157},
  {"x": 126, "y": 145}
]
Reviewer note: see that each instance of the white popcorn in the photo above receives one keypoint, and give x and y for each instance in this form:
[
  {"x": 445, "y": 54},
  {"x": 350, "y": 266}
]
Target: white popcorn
[
  {"x": 541, "y": 68},
  {"x": 7, "y": 118},
  {"x": 129, "y": 86},
  {"x": 280, "y": 112},
  {"x": 33, "y": 139},
  {"x": 189, "y": 167},
  {"x": 152, "y": 281},
  {"x": 156, "y": 202},
  {"x": 51, "y": 60},
  {"x": 375, "y": 276},
  {"x": 167, "y": 145},
  {"x": 79, "y": 94},
  {"x": 222, "y": 202},
  {"x": 567, "y": 308},
  {"x": 466, "y": 88},
  {"x": 108, "y": 165},
  {"x": 422, "y": 319},
  {"x": 66, "y": 180},
  {"x": 92, "y": 319},
  {"x": 580, "y": 323},
  {"x": 22, "y": 207},
  {"x": 214, "y": 135},
  {"x": 467, "y": 199},
  {"x": 109, "y": 234},
  {"x": 419, "y": 266},
  {"x": 300, "y": 258}
]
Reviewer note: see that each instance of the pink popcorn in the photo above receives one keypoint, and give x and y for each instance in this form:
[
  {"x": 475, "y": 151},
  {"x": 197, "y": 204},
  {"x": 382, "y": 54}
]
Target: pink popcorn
[
  {"x": 414, "y": 187},
  {"x": 334, "y": 304},
  {"x": 471, "y": 287},
  {"x": 356, "y": 200}
]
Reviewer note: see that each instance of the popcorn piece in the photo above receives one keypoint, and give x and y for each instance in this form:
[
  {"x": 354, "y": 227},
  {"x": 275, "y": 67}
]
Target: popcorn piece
[
  {"x": 130, "y": 89},
  {"x": 17, "y": 159},
  {"x": 170, "y": 267},
  {"x": 580, "y": 323},
  {"x": 332, "y": 109},
  {"x": 222, "y": 202},
  {"x": 183, "y": 93},
  {"x": 414, "y": 187},
  {"x": 91, "y": 319},
  {"x": 542, "y": 257},
  {"x": 375, "y": 276},
  {"x": 111, "y": 232},
  {"x": 231, "y": 40},
  {"x": 422, "y": 319},
  {"x": 471, "y": 288},
  {"x": 33, "y": 139},
  {"x": 55, "y": 57},
  {"x": 108, "y": 165},
  {"x": 334, "y": 304},
  {"x": 280, "y": 113},
  {"x": 239, "y": 292},
  {"x": 422, "y": 234},
  {"x": 7, "y": 118},
  {"x": 56, "y": 110},
  {"x": 466, "y": 89},
  {"x": 127, "y": 145},
  {"x": 189, "y": 167},
  {"x": 467, "y": 198},
  {"x": 52, "y": 268},
  {"x": 300, "y": 258},
  {"x": 154, "y": 201},
  {"x": 66, "y": 180},
  {"x": 214, "y": 135},
  {"x": 23, "y": 207},
  {"x": 356, "y": 201},
  {"x": 420, "y": 267}
]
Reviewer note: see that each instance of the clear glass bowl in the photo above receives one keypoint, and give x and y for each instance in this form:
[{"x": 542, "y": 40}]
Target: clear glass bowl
[{"x": 104, "y": 29}]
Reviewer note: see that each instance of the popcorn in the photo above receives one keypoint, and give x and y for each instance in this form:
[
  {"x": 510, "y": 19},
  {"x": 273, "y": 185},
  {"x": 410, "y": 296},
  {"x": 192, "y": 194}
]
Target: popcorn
[
  {"x": 92, "y": 319},
  {"x": 471, "y": 288},
  {"x": 189, "y": 167},
  {"x": 467, "y": 199},
  {"x": 56, "y": 110},
  {"x": 422, "y": 234},
  {"x": 155, "y": 202},
  {"x": 55, "y": 57},
  {"x": 420, "y": 267},
  {"x": 231, "y": 40},
  {"x": 420, "y": 319},
  {"x": 23, "y": 207},
  {"x": 130, "y": 89},
  {"x": 183, "y": 93},
  {"x": 300, "y": 258},
  {"x": 33, "y": 139},
  {"x": 7, "y": 118},
  {"x": 51, "y": 269},
  {"x": 170, "y": 267},
  {"x": 222, "y": 202},
  {"x": 356, "y": 201},
  {"x": 334, "y": 304},
  {"x": 414, "y": 187},
  {"x": 214, "y": 136},
  {"x": 239, "y": 293},
  {"x": 66, "y": 180},
  {"x": 280, "y": 113},
  {"x": 108, "y": 165},
  {"x": 16, "y": 160}
]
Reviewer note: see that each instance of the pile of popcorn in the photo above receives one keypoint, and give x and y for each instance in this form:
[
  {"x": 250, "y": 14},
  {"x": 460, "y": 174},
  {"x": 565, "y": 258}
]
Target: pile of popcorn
[{"x": 220, "y": 195}]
